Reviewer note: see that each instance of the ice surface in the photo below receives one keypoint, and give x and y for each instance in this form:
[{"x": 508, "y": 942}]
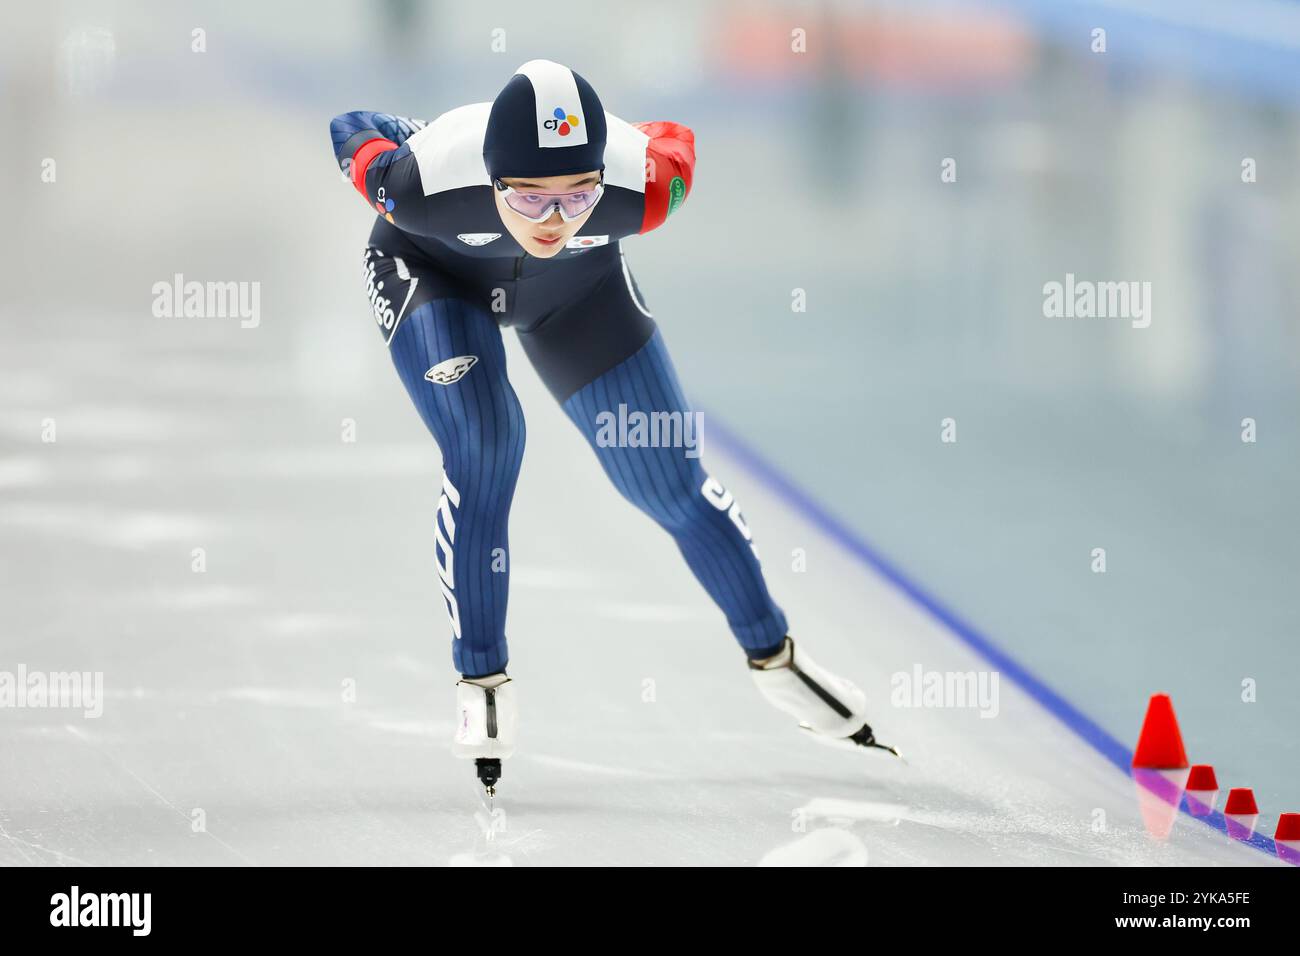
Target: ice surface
[{"x": 643, "y": 740}]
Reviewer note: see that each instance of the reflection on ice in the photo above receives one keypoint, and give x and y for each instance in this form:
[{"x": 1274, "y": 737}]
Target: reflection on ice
[
  {"x": 848, "y": 812},
  {"x": 1288, "y": 850},
  {"x": 564, "y": 763},
  {"x": 431, "y": 729},
  {"x": 832, "y": 844},
  {"x": 480, "y": 859},
  {"x": 1200, "y": 803},
  {"x": 1241, "y": 826},
  {"x": 827, "y": 847},
  {"x": 1159, "y": 794}
]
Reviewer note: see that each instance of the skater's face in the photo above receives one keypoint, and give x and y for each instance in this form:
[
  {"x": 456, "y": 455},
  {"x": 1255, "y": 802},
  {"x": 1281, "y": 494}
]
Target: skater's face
[{"x": 545, "y": 239}]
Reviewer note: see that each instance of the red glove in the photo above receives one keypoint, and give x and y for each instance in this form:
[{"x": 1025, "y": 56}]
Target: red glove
[{"x": 669, "y": 170}]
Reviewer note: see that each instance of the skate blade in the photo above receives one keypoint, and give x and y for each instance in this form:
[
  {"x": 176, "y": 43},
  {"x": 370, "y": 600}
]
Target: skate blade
[{"x": 846, "y": 743}]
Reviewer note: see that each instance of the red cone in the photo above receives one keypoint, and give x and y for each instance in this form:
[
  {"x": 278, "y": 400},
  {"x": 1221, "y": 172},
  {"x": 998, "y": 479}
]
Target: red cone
[
  {"x": 1288, "y": 827},
  {"x": 1160, "y": 745},
  {"x": 1202, "y": 778},
  {"x": 1241, "y": 801}
]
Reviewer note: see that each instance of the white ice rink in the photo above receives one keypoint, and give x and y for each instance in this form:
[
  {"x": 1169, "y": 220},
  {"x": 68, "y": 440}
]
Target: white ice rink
[{"x": 643, "y": 740}]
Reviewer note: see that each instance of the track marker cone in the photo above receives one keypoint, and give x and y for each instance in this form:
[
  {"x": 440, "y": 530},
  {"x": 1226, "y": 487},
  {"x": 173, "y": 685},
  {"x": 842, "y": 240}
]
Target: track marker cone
[
  {"x": 1286, "y": 839},
  {"x": 1288, "y": 827},
  {"x": 1159, "y": 767},
  {"x": 1241, "y": 813},
  {"x": 1160, "y": 745},
  {"x": 1202, "y": 790},
  {"x": 1202, "y": 778},
  {"x": 1241, "y": 802}
]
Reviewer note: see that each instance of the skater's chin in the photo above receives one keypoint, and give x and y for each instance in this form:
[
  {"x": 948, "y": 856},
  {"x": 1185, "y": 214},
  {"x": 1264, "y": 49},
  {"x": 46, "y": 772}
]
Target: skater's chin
[{"x": 541, "y": 246}]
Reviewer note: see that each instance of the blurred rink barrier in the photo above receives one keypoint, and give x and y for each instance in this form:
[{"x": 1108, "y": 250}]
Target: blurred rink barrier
[{"x": 1008, "y": 287}]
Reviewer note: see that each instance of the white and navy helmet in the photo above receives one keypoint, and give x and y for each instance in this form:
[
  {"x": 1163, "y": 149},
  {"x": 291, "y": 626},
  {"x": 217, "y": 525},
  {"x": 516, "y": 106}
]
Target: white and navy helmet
[{"x": 547, "y": 121}]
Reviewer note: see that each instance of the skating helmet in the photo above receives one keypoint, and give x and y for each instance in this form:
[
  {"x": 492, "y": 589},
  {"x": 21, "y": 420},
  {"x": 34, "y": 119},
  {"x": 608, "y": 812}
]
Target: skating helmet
[{"x": 547, "y": 121}]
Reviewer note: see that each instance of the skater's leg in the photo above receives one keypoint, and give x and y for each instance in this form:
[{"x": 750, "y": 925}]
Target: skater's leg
[
  {"x": 450, "y": 357},
  {"x": 605, "y": 352},
  {"x": 675, "y": 490}
]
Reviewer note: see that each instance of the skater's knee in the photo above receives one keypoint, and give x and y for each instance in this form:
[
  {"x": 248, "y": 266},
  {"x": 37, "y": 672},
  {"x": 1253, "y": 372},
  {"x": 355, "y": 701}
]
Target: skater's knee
[
  {"x": 699, "y": 499},
  {"x": 493, "y": 448},
  {"x": 486, "y": 450},
  {"x": 670, "y": 495}
]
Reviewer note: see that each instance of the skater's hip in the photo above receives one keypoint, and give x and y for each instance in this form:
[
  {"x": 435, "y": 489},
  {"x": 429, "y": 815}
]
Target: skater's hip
[{"x": 526, "y": 293}]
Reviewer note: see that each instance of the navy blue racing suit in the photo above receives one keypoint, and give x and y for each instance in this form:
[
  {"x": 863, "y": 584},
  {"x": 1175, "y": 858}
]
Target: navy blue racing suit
[{"x": 444, "y": 277}]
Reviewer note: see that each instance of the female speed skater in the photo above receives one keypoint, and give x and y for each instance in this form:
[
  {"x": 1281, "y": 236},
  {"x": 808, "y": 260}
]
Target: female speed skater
[{"x": 512, "y": 214}]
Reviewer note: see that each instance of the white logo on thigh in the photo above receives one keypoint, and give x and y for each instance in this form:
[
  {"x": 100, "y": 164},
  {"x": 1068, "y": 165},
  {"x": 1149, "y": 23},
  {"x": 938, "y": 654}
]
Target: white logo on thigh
[{"x": 452, "y": 370}]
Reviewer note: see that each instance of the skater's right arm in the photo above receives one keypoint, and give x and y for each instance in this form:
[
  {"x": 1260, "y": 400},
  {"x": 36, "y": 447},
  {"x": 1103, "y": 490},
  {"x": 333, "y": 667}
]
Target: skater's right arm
[{"x": 371, "y": 149}]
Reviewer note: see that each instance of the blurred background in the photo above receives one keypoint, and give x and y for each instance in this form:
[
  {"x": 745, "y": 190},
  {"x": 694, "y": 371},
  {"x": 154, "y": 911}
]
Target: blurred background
[{"x": 817, "y": 171}]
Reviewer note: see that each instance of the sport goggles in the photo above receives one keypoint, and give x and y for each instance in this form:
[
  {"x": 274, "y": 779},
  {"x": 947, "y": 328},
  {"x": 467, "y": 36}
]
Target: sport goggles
[{"x": 537, "y": 207}]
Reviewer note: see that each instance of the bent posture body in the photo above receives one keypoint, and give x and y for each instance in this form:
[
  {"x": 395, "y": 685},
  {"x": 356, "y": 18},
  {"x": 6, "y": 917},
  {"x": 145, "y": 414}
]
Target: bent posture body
[{"x": 511, "y": 214}]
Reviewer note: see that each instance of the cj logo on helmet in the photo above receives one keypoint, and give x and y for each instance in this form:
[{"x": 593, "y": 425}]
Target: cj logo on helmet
[{"x": 561, "y": 122}]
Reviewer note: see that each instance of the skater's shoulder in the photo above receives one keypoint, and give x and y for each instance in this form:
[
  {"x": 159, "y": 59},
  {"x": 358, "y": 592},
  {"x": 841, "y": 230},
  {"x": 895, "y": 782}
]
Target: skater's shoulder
[{"x": 449, "y": 150}]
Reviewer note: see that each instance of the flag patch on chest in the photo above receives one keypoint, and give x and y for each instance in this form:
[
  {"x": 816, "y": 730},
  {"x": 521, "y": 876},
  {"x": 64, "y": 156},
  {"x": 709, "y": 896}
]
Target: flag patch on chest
[{"x": 586, "y": 242}]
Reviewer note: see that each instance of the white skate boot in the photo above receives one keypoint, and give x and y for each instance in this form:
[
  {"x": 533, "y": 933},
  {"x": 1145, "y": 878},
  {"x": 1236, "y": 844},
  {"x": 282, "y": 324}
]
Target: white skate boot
[
  {"x": 486, "y": 721},
  {"x": 830, "y": 707}
]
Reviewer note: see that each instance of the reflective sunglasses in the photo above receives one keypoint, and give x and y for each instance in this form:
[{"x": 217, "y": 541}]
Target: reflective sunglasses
[{"x": 538, "y": 206}]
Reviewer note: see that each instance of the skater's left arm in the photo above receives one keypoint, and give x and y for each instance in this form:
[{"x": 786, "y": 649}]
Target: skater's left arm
[{"x": 670, "y": 170}]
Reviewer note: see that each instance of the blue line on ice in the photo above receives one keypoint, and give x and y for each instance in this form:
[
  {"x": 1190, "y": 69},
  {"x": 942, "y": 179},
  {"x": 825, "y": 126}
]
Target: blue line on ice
[{"x": 1082, "y": 725}]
